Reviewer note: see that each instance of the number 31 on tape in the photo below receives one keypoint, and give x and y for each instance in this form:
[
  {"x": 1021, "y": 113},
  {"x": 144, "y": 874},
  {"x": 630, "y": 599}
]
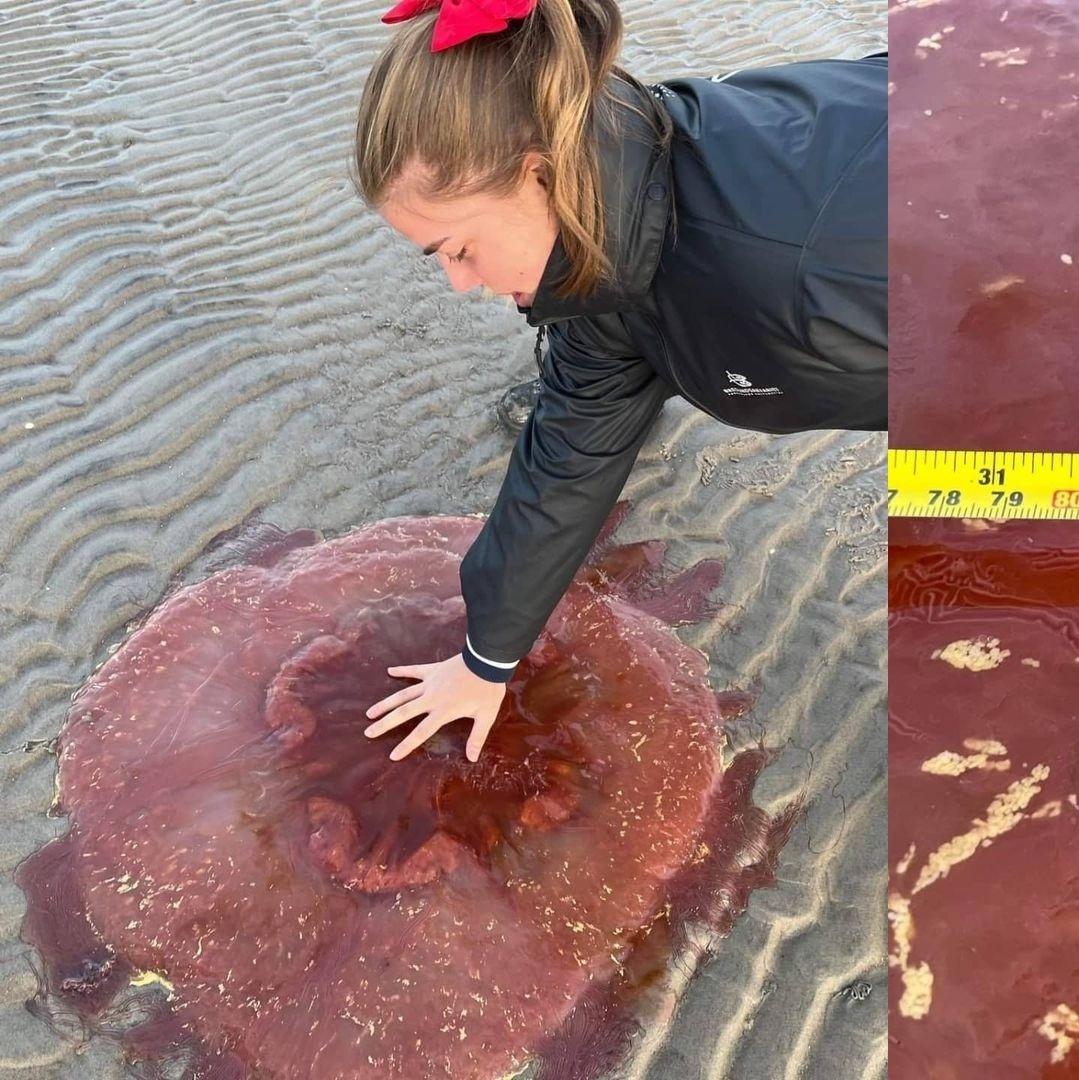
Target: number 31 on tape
[{"x": 983, "y": 483}]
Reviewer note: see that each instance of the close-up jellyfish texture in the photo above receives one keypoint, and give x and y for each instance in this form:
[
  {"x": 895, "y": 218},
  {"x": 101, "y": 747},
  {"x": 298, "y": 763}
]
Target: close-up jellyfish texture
[
  {"x": 318, "y": 911},
  {"x": 983, "y": 760},
  {"x": 983, "y": 250},
  {"x": 984, "y": 614}
]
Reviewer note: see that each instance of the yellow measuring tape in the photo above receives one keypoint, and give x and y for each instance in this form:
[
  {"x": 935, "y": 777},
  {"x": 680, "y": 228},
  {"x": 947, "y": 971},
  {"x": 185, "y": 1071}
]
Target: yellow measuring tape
[{"x": 983, "y": 483}]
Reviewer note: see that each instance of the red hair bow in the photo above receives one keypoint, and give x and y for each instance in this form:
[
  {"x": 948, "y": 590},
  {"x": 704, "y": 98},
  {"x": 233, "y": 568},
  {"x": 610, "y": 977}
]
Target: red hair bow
[{"x": 459, "y": 20}]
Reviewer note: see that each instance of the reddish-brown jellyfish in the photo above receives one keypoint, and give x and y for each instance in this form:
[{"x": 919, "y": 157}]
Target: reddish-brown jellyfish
[
  {"x": 319, "y": 911},
  {"x": 983, "y": 247},
  {"x": 984, "y": 633},
  {"x": 983, "y": 761}
]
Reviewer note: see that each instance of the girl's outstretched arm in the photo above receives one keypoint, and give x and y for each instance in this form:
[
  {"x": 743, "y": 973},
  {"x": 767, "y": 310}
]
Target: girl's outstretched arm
[
  {"x": 565, "y": 474},
  {"x": 597, "y": 403}
]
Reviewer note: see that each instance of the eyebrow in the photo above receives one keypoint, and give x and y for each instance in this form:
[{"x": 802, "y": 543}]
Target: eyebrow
[{"x": 432, "y": 248}]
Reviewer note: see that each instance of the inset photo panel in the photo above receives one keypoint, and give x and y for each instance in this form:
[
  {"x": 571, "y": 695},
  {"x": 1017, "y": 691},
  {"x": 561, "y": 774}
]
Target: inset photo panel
[{"x": 983, "y": 738}]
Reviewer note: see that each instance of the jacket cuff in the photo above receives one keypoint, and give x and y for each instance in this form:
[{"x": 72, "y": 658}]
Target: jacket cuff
[{"x": 491, "y": 670}]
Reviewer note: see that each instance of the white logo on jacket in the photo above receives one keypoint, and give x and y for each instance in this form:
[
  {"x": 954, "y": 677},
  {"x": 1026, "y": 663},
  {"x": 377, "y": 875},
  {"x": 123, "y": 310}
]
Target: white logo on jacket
[{"x": 742, "y": 385}]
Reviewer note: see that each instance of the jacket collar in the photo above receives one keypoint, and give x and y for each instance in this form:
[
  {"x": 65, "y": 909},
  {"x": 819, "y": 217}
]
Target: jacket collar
[{"x": 636, "y": 184}]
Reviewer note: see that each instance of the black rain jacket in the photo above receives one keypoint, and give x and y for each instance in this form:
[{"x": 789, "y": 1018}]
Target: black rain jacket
[{"x": 750, "y": 257}]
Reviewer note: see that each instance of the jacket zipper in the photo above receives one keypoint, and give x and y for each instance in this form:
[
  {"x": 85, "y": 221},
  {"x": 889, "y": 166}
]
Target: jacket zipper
[{"x": 674, "y": 378}]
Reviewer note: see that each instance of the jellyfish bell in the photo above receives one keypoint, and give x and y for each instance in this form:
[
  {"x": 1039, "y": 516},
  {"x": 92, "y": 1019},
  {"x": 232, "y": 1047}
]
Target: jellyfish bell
[
  {"x": 984, "y": 816},
  {"x": 320, "y": 911},
  {"x": 982, "y": 162}
]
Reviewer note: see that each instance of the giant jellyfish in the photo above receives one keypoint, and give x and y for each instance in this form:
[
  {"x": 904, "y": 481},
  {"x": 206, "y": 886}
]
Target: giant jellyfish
[
  {"x": 984, "y": 240},
  {"x": 315, "y": 910},
  {"x": 984, "y": 800}
]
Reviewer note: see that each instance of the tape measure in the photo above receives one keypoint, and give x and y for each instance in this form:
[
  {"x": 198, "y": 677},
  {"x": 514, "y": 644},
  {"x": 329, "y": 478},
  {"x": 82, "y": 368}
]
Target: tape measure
[{"x": 983, "y": 483}]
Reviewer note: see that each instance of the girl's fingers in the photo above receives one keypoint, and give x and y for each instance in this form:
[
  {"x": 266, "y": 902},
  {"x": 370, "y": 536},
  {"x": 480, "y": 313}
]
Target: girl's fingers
[
  {"x": 417, "y": 737},
  {"x": 410, "y": 693},
  {"x": 478, "y": 736},
  {"x": 411, "y": 671},
  {"x": 401, "y": 715}
]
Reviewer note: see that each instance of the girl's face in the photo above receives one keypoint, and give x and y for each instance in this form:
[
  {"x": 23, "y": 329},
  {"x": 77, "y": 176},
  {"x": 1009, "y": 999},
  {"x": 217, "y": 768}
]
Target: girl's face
[{"x": 502, "y": 242}]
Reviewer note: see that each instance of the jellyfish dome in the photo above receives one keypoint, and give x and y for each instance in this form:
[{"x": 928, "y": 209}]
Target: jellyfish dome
[{"x": 319, "y": 911}]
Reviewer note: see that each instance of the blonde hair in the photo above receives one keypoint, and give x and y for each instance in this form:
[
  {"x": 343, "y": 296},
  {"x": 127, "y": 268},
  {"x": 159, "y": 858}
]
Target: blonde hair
[{"x": 471, "y": 113}]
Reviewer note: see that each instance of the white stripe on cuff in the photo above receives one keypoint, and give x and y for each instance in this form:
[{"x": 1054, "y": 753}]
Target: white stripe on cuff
[{"x": 493, "y": 663}]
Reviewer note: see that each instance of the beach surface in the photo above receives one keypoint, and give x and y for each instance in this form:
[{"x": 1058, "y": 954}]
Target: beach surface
[{"x": 200, "y": 325}]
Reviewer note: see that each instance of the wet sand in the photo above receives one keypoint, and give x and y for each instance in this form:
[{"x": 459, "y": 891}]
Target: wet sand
[{"x": 199, "y": 324}]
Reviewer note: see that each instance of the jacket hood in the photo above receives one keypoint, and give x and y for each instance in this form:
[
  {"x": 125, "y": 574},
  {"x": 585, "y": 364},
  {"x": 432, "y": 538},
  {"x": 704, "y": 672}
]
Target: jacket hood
[{"x": 635, "y": 179}]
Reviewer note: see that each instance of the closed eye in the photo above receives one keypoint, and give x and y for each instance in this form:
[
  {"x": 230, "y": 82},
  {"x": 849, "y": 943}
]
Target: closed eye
[{"x": 459, "y": 256}]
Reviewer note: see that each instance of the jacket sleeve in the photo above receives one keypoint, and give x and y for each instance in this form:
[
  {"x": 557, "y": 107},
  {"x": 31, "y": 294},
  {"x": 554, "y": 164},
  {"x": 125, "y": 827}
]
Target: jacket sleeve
[{"x": 596, "y": 405}]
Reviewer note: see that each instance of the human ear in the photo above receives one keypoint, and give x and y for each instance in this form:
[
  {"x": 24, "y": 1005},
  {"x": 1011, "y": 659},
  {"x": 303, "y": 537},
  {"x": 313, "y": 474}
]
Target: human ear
[{"x": 534, "y": 165}]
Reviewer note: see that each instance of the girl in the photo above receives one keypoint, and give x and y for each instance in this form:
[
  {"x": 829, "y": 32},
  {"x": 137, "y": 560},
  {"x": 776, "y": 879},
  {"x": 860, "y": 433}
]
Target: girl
[{"x": 719, "y": 239}]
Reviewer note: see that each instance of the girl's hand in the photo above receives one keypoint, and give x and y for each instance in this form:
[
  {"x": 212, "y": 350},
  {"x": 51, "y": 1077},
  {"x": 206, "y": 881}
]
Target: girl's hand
[{"x": 446, "y": 692}]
